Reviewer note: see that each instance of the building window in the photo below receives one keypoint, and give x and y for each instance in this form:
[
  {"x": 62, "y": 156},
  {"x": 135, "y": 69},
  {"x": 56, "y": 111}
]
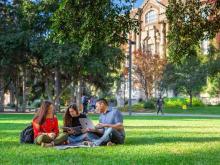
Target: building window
[
  {"x": 151, "y": 16},
  {"x": 149, "y": 48},
  {"x": 157, "y": 48}
]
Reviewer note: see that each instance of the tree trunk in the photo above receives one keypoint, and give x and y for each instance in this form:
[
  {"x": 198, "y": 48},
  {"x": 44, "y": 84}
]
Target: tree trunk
[
  {"x": 175, "y": 92},
  {"x": 146, "y": 94},
  {"x": 146, "y": 90},
  {"x": 46, "y": 84},
  {"x": 16, "y": 94},
  {"x": 12, "y": 93},
  {"x": 1, "y": 94},
  {"x": 24, "y": 79},
  {"x": 57, "y": 90},
  {"x": 79, "y": 94},
  {"x": 164, "y": 32},
  {"x": 124, "y": 89},
  {"x": 73, "y": 96},
  {"x": 190, "y": 95}
]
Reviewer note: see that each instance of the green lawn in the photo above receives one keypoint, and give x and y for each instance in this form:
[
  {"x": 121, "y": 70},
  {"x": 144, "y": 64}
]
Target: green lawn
[
  {"x": 150, "y": 140},
  {"x": 212, "y": 110},
  {"x": 203, "y": 110}
]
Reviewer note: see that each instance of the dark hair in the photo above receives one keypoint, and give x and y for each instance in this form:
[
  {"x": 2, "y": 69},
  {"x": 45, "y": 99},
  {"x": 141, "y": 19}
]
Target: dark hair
[
  {"x": 42, "y": 112},
  {"x": 67, "y": 118},
  {"x": 102, "y": 100}
]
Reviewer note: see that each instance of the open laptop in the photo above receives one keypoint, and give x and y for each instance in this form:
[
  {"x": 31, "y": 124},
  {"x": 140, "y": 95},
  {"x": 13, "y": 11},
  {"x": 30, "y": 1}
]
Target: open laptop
[
  {"x": 86, "y": 123},
  {"x": 76, "y": 129}
]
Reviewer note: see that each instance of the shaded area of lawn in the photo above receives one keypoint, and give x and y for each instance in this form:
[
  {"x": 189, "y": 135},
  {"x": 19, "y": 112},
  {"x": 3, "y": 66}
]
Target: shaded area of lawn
[{"x": 149, "y": 140}]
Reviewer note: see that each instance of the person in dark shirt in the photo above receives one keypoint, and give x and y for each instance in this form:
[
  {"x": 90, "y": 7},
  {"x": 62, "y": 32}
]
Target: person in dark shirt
[
  {"x": 84, "y": 103},
  {"x": 71, "y": 119},
  {"x": 160, "y": 103}
]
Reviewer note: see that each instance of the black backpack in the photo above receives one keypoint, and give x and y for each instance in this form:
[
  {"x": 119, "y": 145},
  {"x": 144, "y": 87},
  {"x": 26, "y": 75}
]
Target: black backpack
[{"x": 27, "y": 135}]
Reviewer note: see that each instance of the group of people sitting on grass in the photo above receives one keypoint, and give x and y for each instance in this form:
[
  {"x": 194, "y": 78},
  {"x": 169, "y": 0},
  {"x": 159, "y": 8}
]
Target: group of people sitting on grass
[{"x": 108, "y": 131}]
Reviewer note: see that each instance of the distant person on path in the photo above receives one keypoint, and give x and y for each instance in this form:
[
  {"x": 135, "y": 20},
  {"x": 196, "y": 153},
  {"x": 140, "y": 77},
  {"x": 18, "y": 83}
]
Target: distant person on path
[
  {"x": 45, "y": 125},
  {"x": 72, "y": 119},
  {"x": 159, "y": 105},
  {"x": 84, "y": 103},
  {"x": 92, "y": 103},
  {"x": 110, "y": 126}
]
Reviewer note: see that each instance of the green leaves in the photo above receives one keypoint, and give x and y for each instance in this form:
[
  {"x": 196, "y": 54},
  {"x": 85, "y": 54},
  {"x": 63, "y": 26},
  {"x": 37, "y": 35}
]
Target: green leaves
[
  {"x": 78, "y": 39},
  {"x": 188, "y": 77},
  {"x": 190, "y": 23},
  {"x": 97, "y": 27},
  {"x": 91, "y": 21}
]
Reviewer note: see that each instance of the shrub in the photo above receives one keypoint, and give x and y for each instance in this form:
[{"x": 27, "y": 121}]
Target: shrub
[
  {"x": 138, "y": 106},
  {"x": 36, "y": 103},
  {"x": 140, "y": 100},
  {"x": 62, "y": 102},
  {"x": 195, "y": 102},
  {"x": 135, "y": 107},
  {"x": 12, "y": 105},
  {"x": 179, "y": 102},
  {"x": 174, "y": 102},
  {"x": 126, "y": 102},
  {"x": 123, "y": 109},
  {"x": 150, "y": 104}
]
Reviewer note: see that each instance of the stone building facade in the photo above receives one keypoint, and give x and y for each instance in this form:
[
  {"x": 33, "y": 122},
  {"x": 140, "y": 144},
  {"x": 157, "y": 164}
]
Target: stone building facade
[{"x": 151, "y": 38}]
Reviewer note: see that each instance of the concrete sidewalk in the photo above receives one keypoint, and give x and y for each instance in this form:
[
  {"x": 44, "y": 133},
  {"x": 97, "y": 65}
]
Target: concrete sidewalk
[
  {"x": 138, "y": 114},
  {"x": 171, "y": 114}
]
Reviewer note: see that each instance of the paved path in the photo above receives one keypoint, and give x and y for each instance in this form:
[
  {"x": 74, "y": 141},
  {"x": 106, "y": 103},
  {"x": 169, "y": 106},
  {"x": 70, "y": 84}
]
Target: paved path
[
  {"x": 141, "y": 114},
  {"x": 171, "y": 114}
]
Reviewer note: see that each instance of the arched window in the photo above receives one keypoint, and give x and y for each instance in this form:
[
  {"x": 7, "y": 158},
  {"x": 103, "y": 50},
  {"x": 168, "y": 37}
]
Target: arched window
[{"x": 151, "y": 16}]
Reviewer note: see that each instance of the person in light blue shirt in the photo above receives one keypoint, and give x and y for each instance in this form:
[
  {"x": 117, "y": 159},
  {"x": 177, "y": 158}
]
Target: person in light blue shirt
[{"x": 110, "y": 125}]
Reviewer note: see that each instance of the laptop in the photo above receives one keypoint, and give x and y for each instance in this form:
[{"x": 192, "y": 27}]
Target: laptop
[
  {"x": 76, "y": 129},
  {"x": 86, "y": 123}
]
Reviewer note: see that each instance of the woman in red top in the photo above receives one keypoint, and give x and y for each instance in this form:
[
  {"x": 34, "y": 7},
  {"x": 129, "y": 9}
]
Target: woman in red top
[{"x": 45, "y": 124}]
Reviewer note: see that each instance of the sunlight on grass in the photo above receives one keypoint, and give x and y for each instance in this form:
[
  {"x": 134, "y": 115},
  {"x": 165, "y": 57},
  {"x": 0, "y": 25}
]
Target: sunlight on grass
[{"x": 149, "y": 140}]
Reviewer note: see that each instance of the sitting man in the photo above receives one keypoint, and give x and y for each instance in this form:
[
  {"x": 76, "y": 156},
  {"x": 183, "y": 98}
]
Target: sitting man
[{"x": 110, "y": 125}]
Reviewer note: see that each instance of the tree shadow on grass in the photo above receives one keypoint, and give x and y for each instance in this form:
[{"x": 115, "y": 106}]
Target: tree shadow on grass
[
  {"x": 13, "y": 126},
  {"x": 180, "y": 118},
  {"x": 110, "y": 155},
  {"x": 168, "y": 127},
  {"x": 8, "y": 143},
  {"x": 154, "y": 140},
  {"x": 5, "y": 134}
]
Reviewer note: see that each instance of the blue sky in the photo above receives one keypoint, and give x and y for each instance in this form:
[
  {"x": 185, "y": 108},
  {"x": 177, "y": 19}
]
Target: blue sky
[{"x": 138, "y": 3}]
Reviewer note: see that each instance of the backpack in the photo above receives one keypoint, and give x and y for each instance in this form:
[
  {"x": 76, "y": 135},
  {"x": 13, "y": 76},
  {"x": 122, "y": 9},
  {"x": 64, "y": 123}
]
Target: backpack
[{"x": 27, "y": 135}]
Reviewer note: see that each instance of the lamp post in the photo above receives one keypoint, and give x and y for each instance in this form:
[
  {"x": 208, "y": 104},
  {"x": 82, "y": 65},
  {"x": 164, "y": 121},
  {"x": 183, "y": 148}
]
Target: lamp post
[{"x": 129, "y": 79}]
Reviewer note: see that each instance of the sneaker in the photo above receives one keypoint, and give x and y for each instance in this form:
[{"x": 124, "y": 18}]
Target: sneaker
[
  {"x": 66, "y": 143},
  {"x": 110, "y": 143},
  {"x": 88, "y": 143},
  {"x": 47, "y": 144}
]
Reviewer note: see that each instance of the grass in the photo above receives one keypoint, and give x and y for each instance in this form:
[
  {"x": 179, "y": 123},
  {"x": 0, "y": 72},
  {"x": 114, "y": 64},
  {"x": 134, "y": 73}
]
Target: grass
[
  {"x": 149, "y": 140},
  {"x": 212, "y": 110}
]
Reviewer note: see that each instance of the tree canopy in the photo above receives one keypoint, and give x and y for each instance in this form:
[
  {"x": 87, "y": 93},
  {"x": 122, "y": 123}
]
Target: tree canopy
[
  {"x": 46, "y": 45},
  {"x": 193, "y": 22}
]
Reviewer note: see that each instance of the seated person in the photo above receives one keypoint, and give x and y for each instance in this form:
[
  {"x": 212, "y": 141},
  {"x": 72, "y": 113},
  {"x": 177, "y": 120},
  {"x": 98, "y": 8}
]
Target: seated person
[
  {"x": 71, "y": 119},
  {"x": 110, "y": 125},
  {"x": 45, "y": 125}
]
